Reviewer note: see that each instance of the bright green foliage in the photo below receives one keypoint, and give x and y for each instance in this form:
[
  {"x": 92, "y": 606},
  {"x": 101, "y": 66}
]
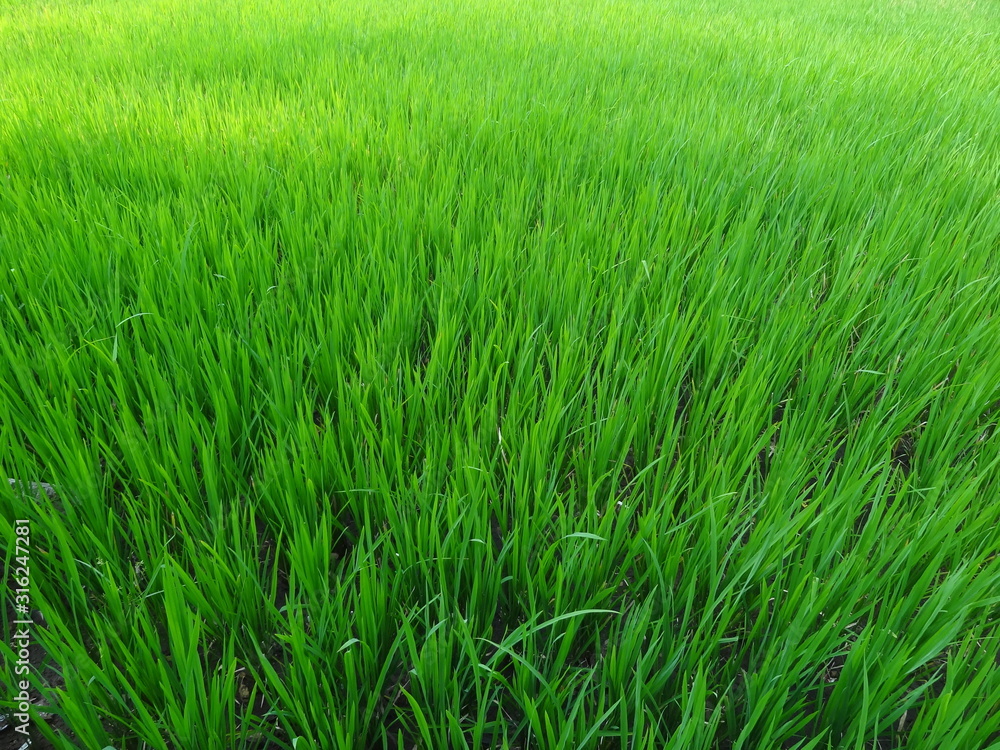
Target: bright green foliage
[{"x": 510, "y": 373}]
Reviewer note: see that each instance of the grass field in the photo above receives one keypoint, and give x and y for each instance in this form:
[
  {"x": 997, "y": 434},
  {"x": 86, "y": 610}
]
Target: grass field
[{"x": 512, "y": 374}]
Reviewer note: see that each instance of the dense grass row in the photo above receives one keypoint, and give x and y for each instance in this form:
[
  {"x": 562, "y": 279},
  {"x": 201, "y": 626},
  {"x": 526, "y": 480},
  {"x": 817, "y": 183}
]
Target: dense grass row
[{"x": 505, "y": 374}]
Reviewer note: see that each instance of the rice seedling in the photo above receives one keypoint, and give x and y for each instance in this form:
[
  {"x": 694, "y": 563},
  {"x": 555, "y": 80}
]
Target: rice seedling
[{"x": 503, "y": 374}]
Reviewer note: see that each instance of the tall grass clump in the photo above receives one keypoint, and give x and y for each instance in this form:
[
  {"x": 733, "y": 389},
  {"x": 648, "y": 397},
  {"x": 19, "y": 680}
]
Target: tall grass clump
[{"x": 502, "y": 374}]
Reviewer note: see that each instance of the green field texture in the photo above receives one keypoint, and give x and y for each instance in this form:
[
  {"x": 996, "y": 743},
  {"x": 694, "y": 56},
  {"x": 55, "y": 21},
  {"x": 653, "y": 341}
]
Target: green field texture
[{"x": 511, "y": 374}]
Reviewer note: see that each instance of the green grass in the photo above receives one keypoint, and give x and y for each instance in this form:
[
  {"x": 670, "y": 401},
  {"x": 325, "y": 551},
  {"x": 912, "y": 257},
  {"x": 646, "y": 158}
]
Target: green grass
[{"x": 504, "y": 374}]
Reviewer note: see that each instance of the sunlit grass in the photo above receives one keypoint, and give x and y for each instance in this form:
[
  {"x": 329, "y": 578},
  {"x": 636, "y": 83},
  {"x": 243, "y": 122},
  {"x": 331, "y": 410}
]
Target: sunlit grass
[{"x": 505, "y": 374}]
